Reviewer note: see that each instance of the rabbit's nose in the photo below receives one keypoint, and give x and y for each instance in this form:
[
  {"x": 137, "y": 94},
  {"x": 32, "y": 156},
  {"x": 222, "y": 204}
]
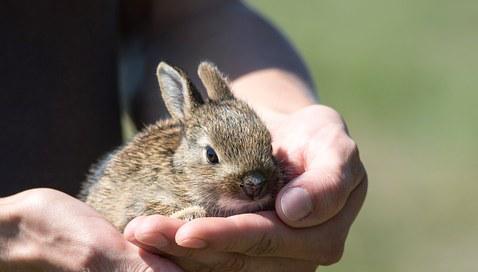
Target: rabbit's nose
[{"x": 253, "y": 184}]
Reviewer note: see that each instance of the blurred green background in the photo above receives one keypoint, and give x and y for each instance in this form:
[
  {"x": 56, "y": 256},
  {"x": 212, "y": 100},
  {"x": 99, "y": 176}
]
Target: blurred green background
[{"x": 404, "y": 74}]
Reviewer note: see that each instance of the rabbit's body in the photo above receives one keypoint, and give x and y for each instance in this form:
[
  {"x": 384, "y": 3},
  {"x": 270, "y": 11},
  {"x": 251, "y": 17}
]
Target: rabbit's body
[
  {"x": 122, "y": 185},
  {"x": 213, "y": 158}
]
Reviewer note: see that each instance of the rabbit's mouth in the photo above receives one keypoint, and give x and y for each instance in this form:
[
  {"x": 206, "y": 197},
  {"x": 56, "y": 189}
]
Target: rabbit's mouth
[{"x": 227, "y": 206}]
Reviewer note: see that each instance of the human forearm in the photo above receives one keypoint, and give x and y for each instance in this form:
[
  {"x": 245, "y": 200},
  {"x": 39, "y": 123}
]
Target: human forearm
[
  {"x": 264, "y": 68},
  {"x": 273, "y": 93}
]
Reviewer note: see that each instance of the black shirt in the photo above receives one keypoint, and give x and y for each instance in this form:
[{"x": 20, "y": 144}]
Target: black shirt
[{"x": 59, "y": 109}]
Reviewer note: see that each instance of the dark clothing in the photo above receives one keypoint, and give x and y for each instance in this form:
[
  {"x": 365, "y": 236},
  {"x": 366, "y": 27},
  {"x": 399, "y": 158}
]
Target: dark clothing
[{"x": 59, "y": 109}]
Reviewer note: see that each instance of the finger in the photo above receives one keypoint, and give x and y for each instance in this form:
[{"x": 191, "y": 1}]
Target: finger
[
  {"x": 129, "y": 235},
  {"x": 269, "y": 264},
  {"x": 264, "y": 234},
  {"x": 334, "y": 232},
  {"x": 156, "y": 234},
  {"x": 156, "y": 263},
  {"x": 250, "y": 234},
  {"x": 323, "y": 189},
  {"x": 264, "y": 264},
  {"x": 210, "y": 260},
  {"x": 147, "y": 228},
  {"x": 242, "y": 263}
]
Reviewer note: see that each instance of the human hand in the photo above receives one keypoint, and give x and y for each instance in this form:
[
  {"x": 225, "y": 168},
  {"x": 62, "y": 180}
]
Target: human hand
[
  {"x": 322, "y": 162},
  {"x": 46, "y": 230},
  {"x": 323, "y": 165}
]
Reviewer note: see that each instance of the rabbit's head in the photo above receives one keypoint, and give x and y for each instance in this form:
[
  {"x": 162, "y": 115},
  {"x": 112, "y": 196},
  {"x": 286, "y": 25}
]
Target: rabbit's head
[{"x": 225, "y": 154}]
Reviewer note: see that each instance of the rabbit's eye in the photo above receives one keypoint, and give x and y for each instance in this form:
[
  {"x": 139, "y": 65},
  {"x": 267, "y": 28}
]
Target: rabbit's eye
[{"x": 211, "y": 155}]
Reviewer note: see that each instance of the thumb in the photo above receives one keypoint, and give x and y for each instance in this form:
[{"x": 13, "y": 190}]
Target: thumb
[{"x": 314, "y": 197}]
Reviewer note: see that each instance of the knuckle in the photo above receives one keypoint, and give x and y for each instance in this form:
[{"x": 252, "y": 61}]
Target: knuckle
[
  {"x": 337, "y": 136},
  {"x": 353, "y": 149},
  {"x": 329, "y": 111},
  {"x": 352, "y": 145},
  {"x": 354, "y": 157},
  {"x": 336, "y": 194},
  {"x": 265, "y": 245},
  {"x": 39, "y": 198},
  {"x": 343, "y": 148},
  {"x": 338, "y": 182},
  {"x": 347, "y": 152}
]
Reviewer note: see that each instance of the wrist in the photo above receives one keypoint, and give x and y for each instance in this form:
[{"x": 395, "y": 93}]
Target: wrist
[
  {"x": 273, "y": 94},
  {"x": 273, "y": 90}
]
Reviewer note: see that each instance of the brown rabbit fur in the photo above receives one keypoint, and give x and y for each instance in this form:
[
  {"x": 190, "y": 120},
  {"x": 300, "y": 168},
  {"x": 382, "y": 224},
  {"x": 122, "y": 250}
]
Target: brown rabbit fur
[{"x": 212, "y": 158}]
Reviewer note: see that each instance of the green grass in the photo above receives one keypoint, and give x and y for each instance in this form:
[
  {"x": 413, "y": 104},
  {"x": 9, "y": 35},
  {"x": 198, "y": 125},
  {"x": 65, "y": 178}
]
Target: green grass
[{"x": 405, "y": 76}]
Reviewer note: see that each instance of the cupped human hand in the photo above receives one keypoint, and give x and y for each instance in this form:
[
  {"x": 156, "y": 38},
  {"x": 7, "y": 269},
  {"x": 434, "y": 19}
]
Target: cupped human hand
[
  {"x": 314, "y": 211},
  {"x": 322, "y": 163},
  {"x": 46, "y": 230}
]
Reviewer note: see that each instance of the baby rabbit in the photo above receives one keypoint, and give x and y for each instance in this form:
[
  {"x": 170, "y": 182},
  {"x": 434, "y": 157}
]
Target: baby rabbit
[{"x": 212, "y": 158}]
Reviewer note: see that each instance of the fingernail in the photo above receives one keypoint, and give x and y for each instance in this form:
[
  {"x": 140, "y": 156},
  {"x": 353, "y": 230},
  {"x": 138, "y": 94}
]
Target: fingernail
[
  {"x": 296, "y": 203},
  {"x": 192, "y": 243},
  {"x": 155, "y": 239}
]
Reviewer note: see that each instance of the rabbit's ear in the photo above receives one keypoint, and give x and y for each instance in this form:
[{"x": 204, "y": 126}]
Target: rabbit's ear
[
  {"x": 215, "y": 83},
  {"x": 179, "y": 95}
]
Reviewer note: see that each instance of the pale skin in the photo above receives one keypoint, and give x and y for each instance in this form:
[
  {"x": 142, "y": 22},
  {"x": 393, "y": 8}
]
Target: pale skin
[
  {"x": 314, "y": 139},
  {"x": 311, "y": 137},
  {"x": 41, "y": 229},
  {"x": 47, "y": 230}
]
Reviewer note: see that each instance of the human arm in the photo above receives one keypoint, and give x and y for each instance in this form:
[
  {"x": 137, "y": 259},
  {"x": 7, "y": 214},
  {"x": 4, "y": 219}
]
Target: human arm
[
  {"x": 313, "y": 139},
  {"x": 46, "y": 230}
]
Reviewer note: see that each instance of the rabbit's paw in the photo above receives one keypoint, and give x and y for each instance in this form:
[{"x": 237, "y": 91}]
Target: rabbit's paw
[{"x": 190, "y": 213}]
